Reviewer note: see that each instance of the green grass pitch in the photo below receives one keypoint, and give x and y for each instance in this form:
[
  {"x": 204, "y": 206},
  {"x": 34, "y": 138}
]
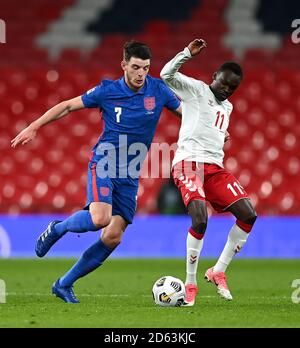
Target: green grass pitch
[{"x": 118, "y": 295}]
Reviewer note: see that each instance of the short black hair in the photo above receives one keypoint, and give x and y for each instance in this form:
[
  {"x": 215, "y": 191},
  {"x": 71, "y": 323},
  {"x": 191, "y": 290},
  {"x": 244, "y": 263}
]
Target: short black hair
[
  {"x": 232, "y": 66},
  {"x": 136, "y": 49}
]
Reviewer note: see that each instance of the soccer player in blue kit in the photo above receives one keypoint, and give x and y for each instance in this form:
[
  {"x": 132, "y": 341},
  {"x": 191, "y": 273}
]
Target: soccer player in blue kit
[{"x": 131, "y": 108}]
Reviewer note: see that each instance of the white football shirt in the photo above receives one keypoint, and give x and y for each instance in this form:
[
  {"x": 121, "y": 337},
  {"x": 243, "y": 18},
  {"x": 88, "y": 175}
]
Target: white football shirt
[{"x": 205, "y": 119}]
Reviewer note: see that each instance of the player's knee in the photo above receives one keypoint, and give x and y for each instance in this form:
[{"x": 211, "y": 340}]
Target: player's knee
[
  {"x": 112, "y": 239},
  {"x": 199, "y": 223},
  {"x": 199, "y": 227},
  {"x": 101, "y": 220},
  {"x": 250, "y": 217},
  {"x": 115, "y": 241}
]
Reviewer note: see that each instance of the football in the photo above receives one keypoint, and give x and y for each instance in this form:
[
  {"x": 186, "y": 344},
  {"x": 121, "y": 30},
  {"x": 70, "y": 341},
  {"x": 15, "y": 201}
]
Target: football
[{"x": 168, "y": 291}]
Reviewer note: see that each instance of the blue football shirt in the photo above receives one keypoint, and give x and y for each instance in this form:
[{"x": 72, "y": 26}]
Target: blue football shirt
[{"x": 129, "y": 117}]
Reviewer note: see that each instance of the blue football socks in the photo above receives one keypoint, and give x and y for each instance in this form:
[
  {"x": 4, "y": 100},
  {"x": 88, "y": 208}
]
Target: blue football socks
[
  {"x": 81, "y": 221},
  {"x": 91, "y": 259}
]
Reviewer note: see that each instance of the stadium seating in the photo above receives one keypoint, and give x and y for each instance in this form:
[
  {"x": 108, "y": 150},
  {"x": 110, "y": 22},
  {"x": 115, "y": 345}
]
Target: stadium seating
[{"x": 49, "y": 174}]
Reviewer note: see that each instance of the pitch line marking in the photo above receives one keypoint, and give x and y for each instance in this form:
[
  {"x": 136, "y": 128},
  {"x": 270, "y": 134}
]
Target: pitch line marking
[{"x": 126, "y": 295}]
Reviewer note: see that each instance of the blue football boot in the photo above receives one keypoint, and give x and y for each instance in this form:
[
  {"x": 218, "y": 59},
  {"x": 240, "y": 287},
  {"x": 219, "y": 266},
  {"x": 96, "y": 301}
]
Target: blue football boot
[
  {"x": 66, "y": 293},
  {"x": 47, "y": 239}
]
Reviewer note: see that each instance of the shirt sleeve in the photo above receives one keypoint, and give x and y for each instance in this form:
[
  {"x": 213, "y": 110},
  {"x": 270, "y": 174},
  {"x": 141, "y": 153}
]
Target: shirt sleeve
[
  {"x": 185, "y": 87},
  {"x": 93, "y": 98},
  {"x": 171, "y": 100}
]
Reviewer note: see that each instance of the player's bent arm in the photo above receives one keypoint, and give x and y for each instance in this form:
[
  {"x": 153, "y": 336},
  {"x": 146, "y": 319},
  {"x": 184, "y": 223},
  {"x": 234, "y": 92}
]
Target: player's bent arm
[{"x": 58, "y": 111}]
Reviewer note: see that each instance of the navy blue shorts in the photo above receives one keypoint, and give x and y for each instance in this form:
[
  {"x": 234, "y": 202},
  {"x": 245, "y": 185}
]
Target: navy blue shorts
[{"x": 120, "y": 193}]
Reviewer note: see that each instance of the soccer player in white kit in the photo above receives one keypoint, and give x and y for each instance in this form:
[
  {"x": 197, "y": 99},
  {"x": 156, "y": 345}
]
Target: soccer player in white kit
[{"x": 198, "y": 169}]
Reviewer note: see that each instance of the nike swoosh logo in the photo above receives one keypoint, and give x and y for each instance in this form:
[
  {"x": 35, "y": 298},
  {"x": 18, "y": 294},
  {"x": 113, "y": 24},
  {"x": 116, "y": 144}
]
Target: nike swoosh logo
[{"x": 166, "y": 297}]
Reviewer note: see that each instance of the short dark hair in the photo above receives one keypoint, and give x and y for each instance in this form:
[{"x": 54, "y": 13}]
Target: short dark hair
[
  {"x": 232, "y": 66},
  {"x": 136, "y": 49}
]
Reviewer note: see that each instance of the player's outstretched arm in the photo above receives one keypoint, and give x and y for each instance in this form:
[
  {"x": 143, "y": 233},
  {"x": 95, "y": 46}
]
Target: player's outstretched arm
[{"x": 58, "y": 111}]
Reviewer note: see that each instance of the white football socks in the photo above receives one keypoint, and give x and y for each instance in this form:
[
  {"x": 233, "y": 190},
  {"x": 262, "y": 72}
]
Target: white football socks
[
  {"x": 236, "y": 240},
  {"x": 193, "y": 250}
]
